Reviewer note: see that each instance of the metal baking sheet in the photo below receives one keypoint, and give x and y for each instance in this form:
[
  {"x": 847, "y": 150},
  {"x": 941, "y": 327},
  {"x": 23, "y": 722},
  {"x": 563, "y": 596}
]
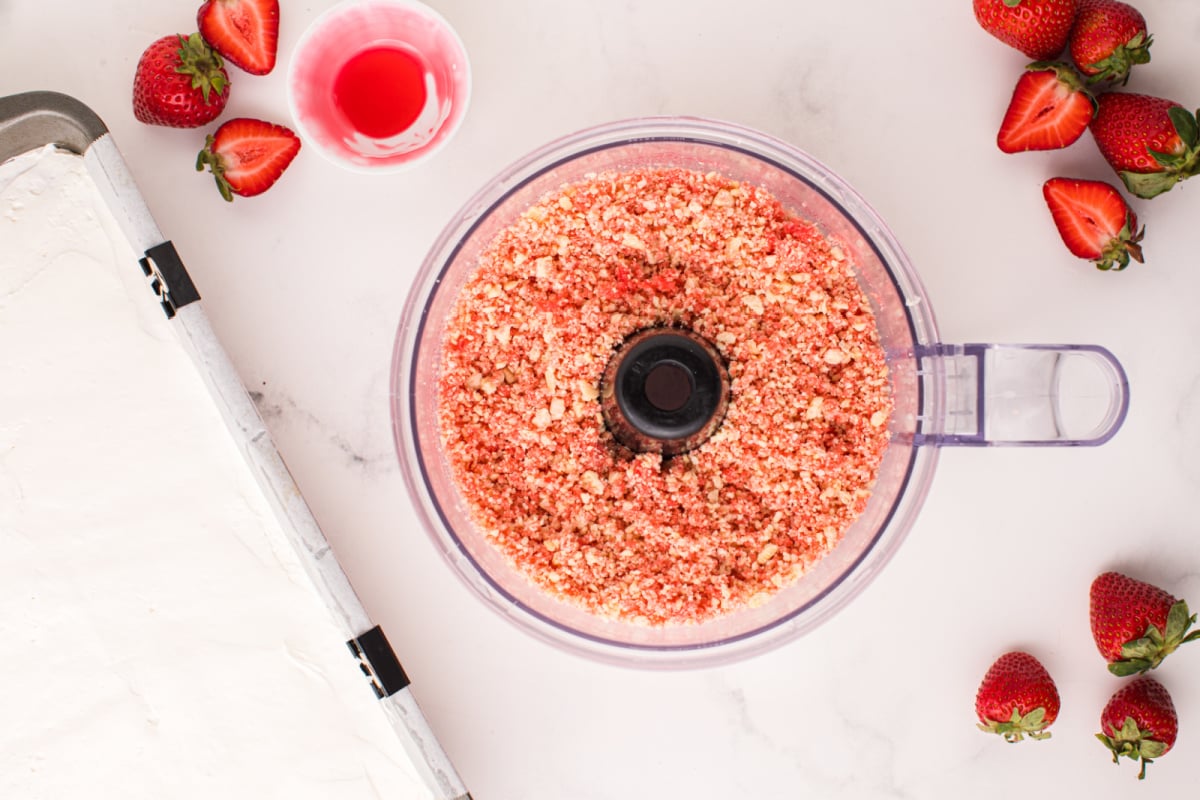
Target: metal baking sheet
[{"x": 34, "y": 120}]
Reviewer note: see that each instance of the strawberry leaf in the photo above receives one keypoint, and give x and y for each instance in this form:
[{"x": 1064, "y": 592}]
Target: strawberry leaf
[
  {"x": 1152, "y": 749},
  {"x": 1167, "y": 160},
  {"x": 1146, "y": 647},
  {"x": 1034, "y": 718},
  {"x": 1129, "y": 730},
  {"x": 1012, "y": 3},
  {"x": 1129, "y": 667},
  {"x": 1185, "y": 125},
  {"x": 1178, "y": 621},
  {"x": 1017, "y": 726},
  {"x": 1149, "y": 184}
]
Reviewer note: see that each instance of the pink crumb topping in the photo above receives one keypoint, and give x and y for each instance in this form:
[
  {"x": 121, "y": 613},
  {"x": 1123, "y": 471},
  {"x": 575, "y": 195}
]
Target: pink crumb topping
[{"x": 635, "y": 536}]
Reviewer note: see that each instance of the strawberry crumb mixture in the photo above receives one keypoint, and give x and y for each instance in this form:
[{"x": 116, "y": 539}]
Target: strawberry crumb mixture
[{"x": 637, "y": 536}]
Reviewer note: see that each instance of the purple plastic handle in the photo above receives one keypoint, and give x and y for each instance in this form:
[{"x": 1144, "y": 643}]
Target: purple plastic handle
[{"x": 1022, "y": 395}]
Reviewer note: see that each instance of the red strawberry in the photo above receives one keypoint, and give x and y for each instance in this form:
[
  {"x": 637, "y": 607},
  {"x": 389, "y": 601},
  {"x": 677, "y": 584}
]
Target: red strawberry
[
  {"x": 1152, "y": 143},
  {"x": 1017, "y": 697},
  {"x": 1139, "y": 722},
  {"x": 1049, "y": 109},
  {"x": 246, "y": 32},
  {"x": 1108, "y": 39},
  {"x": 1094, "y": 221},
  {"x": 1038, "y": 28},
  {"x": 179, "y": 82},
  {"x": 247, "y": 156},
  {"x": 1136, "y": 625}
]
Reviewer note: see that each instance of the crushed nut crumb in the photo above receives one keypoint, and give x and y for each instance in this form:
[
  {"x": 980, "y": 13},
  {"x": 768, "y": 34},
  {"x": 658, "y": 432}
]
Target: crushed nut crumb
[{"x": 638, "y": 537}]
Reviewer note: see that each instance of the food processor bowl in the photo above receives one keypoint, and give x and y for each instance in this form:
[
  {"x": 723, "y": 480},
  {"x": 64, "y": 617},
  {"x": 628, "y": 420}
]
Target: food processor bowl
[{"x": 940, "y": 392}]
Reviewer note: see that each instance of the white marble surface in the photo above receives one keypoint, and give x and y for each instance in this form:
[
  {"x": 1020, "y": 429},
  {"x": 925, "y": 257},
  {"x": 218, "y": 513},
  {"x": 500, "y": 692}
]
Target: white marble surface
[{"x": 305, "y": 285}]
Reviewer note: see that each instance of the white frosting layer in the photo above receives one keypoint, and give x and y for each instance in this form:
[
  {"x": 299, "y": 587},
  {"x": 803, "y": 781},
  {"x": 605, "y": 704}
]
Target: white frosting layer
[{"x": 158, "y": 636}]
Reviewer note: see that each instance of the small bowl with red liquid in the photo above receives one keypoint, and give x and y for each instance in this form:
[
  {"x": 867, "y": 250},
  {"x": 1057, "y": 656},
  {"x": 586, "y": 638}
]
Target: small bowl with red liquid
[{"x": 379, "y": 85}]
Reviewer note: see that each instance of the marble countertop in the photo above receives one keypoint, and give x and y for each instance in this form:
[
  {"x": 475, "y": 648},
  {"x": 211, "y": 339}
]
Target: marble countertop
[{"x": 305, "y": 284}]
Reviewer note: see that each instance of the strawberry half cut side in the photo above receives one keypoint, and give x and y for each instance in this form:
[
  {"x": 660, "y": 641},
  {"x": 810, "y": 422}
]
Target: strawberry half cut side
[
  {"x": 1050, "y": 109},
  {"x": 246, "y": 32},
  {"x": 246, "y": 156},
  {"x": 1094, "y": 221}
]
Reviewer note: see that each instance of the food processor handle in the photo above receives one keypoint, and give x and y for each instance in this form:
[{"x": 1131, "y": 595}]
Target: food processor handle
[{"x": 1033, "y": 394}]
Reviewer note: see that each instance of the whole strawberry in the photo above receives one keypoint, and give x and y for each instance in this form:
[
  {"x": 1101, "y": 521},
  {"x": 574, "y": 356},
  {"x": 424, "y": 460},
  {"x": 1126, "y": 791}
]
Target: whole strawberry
[
  {"x": 179, "y": 82},
  {"x": 1139, "y": 722},
  {"x": 1038, "y": 28},
  {"x": 1108, "y": 39},
  {"x": 1017, "y": 697},
  {"x": 1152, "y": 143},
  {"x": 1136, "y": 625}
]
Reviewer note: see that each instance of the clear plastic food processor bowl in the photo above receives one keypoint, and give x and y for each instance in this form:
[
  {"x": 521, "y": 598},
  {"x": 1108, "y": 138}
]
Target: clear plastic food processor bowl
[{"x": 945, "y": 394}]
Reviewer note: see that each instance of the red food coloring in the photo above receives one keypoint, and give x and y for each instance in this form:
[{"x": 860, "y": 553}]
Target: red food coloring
[{"x": 381, "y": 90}]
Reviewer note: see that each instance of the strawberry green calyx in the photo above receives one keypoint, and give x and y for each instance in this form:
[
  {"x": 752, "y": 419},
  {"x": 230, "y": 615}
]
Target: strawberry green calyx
[
  {"x": 1066, "y": 75},
  {"x": 1015, "y": 729},
  {"x": 1117, "y": 66},
  {"x": 1125, "y": 246},
  {"x": 209, "y": 158},
  {"x": 1131, "y": 742},
  {"x": 202, "y": 64},
  {"x": 1012, "y": 3},
  {"x": 1146, "y": 653},
  {"x": 1176, "y": 167}
]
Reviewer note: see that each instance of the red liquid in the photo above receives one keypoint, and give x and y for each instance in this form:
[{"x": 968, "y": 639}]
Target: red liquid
[{"x": 381, "y": 91}]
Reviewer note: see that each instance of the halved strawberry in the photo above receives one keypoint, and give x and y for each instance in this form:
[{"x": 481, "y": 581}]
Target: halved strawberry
[
  {"x": 1049, "y": 109},
  {"x": 247, "y": 156},
  {"x": 1094, "y": 221},
  {"x": 245, "y": 32}
]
